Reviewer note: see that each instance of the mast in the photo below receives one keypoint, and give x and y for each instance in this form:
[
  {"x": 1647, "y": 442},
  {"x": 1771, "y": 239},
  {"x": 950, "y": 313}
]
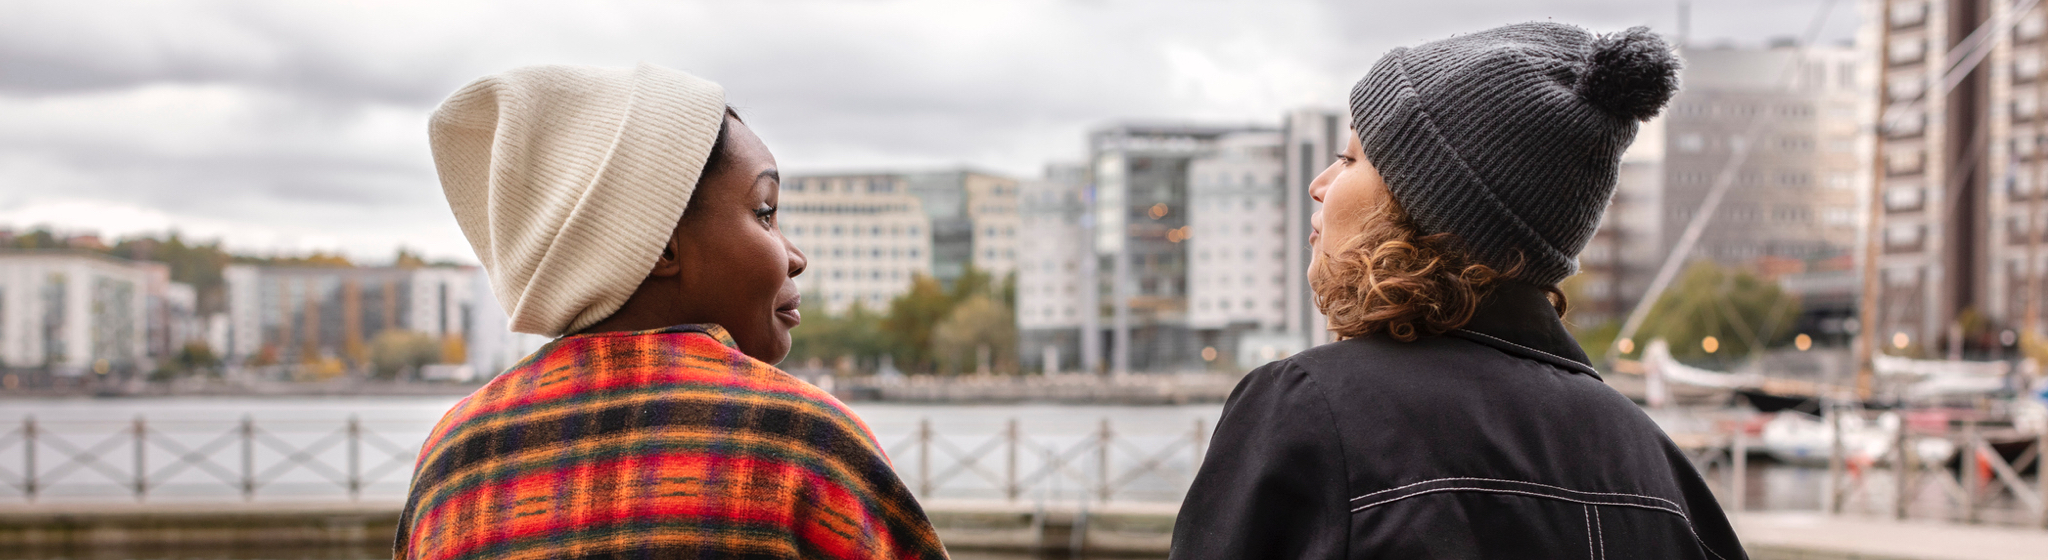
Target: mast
[
  {"x": 1866, "y": 307},
  {"x": 2034, "y": 231}
]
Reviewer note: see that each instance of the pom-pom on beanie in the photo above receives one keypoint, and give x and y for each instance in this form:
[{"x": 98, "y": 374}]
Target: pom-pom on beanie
[
  {"x": 568, "y": 180},
  {"x": 1511, "y": 138}
]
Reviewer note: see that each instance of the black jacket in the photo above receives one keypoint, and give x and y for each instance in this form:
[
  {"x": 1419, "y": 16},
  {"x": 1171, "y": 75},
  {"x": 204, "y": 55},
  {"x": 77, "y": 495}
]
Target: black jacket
[{"x": 1496, "y": 440}]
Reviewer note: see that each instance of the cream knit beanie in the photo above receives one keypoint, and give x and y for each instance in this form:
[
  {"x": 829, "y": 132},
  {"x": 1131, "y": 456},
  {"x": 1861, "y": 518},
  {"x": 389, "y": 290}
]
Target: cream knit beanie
[{"x": 568, "y": 180}]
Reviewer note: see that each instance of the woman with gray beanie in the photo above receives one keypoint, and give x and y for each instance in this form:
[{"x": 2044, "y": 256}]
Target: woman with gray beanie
[{"x": 1455, "y": 417}]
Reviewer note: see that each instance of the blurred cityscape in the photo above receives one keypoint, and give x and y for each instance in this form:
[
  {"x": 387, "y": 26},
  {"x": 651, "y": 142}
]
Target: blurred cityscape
[
  {"x": 1171, "y": 248},
  {"x": 1821, "y": 273}
]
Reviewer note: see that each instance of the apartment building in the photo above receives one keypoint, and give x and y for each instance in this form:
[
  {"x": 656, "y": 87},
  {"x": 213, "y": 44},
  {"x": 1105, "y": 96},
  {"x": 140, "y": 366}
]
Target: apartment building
[
  {"x": 867, "y": 234},
  {"x": 1960, "y": 219},
  {"x": 1056, "y": 302},
  {"x": 73, "y": 313},
  {"x": 296, "y": 315},
  {"x": 1237, "y": 238}
]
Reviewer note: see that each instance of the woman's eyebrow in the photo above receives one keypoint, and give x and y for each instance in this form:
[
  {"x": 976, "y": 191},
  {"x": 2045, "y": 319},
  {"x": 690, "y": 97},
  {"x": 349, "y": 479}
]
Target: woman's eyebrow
[{"x": 770, "y": 173}]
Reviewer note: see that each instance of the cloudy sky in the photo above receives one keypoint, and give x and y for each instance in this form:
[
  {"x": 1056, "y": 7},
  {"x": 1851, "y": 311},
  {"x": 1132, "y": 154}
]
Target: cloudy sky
[{"x": 291, "y": 126}]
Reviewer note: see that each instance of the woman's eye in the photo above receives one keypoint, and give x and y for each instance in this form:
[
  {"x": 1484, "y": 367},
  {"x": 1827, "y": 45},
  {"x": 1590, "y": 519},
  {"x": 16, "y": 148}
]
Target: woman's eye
[{"x": 765, "y": 215}]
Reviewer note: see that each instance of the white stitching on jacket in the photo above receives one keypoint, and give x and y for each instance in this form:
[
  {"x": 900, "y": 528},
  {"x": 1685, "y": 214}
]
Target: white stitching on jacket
[
  {"x": 1588, "y": 512},
  {"x": 1603, "y": 534},
  {"x": 1674, "y": 505},
  {"x": 1681, "y": 515}
]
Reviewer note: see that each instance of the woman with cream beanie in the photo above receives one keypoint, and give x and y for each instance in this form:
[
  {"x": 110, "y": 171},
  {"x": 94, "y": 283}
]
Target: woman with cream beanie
[{"x": 632, "y": 213}]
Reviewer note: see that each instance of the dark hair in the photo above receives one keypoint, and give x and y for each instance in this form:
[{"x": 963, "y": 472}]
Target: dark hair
[
  {"x": 721, "y": 151},
  {"x": 1392, "y": 278}
]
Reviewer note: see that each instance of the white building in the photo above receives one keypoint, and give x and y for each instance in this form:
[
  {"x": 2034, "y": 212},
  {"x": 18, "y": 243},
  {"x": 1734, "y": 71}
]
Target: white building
[
  {"x": 867, "y": 234},
  {"x": 72, "y": 313},
  {"x": 864, "y": 237},
  {"x": 1237, "y": 278},
  {"x": 293, "y": 315},
  {"x": 992, "y": 208},
  {"x": 493, "y": 347},
  {"x": 1053, "y": 294}
]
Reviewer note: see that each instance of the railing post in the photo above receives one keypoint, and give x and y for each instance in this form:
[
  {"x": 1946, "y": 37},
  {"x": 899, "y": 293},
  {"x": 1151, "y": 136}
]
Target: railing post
[
  {"x": 248, "y": 458},
  {"x": 1010, "y": 470},
  {"x": 2041, "y": 475},
  {"x": 1201, "y": 440},
  {"x": 924, "y": 458},
  {"x": 28, "y": 457},
  {"x": 1833, "y": 496},
  {"x": 1969, "y": 474},
  {"x": 1738, "y": 473},
  {"x": 1102, "y": 451},
  {"x": 355, "y": 461},
  {"x": 1903, "y": 471},
  {"x": 141, "y": 450}
]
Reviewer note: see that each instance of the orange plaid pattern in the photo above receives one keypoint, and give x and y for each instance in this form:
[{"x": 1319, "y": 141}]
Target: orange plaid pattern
[{"x": 657, "y": 444}]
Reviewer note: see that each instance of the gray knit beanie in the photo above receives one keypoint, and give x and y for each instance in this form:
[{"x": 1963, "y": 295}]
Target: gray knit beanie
[{"x": 1511, "y": 138}]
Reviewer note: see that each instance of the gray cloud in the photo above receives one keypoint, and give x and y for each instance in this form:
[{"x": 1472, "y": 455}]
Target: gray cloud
[{"x": 287, "y": 125}]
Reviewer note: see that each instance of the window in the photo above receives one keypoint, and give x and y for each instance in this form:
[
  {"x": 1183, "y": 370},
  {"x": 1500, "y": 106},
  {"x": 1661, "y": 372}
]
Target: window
[
  {"x": 1907, "y": 197},
  {"x": 1691, "y": 142}
]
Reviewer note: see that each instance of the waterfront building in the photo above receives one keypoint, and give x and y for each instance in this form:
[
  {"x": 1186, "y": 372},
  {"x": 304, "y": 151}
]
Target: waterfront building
[
  {"x": 1960, "y": 217},
  {"x": 71, "y": 313},
  {"x": 331, "y": 315},
  {"x": 867, "y": 234},
  {"x": 863, "y": 236},
  {"x": 1237, "y": 237},
  {"x": 1313, "y": 137},
  {"x": 1140, "y": 212},
  {"x": 1793, "y": 209},
  {"x": 1054, "y": 296}
]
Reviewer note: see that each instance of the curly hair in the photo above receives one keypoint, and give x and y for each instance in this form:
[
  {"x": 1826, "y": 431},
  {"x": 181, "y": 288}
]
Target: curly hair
[{"x": 1391, "y": 278}]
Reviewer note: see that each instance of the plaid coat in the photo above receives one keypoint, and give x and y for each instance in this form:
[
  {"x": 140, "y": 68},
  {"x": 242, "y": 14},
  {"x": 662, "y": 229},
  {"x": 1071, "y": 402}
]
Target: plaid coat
[{"x": 667, "y": 443}]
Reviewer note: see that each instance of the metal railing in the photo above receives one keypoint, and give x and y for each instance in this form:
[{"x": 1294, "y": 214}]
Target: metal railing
[
  {"x": 1983, "y": 486},
  {"x": 1101, "y": 465},
  {"x": 147, "y": 460},
  {"x": 144, "y": 459}
]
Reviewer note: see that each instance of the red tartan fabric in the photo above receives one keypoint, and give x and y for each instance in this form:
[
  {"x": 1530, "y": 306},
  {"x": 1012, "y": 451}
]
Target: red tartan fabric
[{"x": 657, "y": 444}]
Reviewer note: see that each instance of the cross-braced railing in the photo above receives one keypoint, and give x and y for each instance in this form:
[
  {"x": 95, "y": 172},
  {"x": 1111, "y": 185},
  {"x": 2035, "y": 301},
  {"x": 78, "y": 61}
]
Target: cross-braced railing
[
  {"x": 141, "y": 458},
  {"x": 1101, "y": 465},
  {"x": 1916, "y": 477}
]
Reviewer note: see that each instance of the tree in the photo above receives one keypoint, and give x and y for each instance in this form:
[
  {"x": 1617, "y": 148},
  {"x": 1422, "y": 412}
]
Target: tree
[
  {"x": 828, "y": 337},
  {"x": 396, "y": 352},
  {"x": 1741, "y": 311},
  {"x": 979, "y": 332},
  {"x": 912, "y": 316}
]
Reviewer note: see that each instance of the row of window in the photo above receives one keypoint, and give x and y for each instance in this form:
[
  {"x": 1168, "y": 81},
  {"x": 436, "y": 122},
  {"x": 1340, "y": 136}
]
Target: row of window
[
  {"x": 1233, "y": 179},
  {"x": 857, "y": 274},
  {"x": 1246, "y": 304},
  {"x": 1792, "y": 179},
  {"x": 1249, "y": 280},
  {"x": 1693, "y": 142},
  {"x": 1249, "y": 254},
  {"x": 838, "y": 230},
  {"x": 841, "y": 184},
  {"x": 1747, "y": 110},
  {"x": 1832, "y": 215},
  {"x": 866, "y": 252}
]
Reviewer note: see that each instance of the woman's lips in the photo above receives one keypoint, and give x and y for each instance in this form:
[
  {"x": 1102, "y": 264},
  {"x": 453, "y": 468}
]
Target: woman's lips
[{"x": 788, "y": 310}]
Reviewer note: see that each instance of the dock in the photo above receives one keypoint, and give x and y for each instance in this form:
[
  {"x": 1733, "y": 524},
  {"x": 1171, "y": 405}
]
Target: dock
[{"x": 1128, "y": 530}]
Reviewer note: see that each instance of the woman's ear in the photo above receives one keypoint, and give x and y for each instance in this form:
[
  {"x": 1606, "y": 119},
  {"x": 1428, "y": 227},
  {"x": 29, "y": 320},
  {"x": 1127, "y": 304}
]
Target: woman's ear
[{"x": 671, "y": 262}]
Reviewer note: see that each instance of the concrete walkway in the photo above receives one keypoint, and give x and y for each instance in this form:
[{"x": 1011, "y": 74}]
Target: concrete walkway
[{"x": 1789, "y": 536}]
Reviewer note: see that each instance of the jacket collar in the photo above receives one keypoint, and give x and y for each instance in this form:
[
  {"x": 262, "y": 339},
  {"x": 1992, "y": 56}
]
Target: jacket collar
[{"x": 1517, "y": 318}]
